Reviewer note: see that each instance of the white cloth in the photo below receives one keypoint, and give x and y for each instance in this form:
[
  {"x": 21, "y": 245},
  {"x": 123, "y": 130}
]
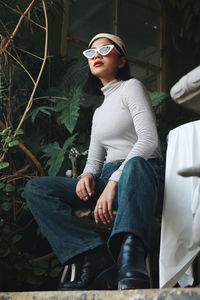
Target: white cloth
[
  {"x": 187, "y": 90},
  {"x": 123, "y": 127},
  {"x": 181, "y": 201}
]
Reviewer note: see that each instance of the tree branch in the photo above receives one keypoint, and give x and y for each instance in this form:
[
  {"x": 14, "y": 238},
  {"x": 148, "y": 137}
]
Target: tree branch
[
  {"x": 19, "y": 13},
  {"x": 33, "y": 158},
  {"x": 36, "y": 56},
  {"x": 30, "y": 102},
  {"x": 21, "y": 65},
  {"x": 17, "y": 27}
]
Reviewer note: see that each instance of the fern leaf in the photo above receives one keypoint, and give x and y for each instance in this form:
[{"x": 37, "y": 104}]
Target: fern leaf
[
  {"x": 157, "y": 97},
  {"x": 68, "y": 111},
  {"x": 41, "y": 109},
  {"x": 55, "y": 155}
]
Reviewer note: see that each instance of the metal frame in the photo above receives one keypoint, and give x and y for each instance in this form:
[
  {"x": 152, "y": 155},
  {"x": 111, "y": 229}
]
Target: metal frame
[{"x": 69, "y": 274}]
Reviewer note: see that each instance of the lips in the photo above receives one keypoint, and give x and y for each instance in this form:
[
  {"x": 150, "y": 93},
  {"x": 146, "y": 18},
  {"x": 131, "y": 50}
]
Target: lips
[{"x": 98, "y": 64}]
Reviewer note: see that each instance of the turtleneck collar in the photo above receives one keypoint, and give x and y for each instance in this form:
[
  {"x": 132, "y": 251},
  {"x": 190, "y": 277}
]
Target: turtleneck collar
[{"x": 111, "y": 87}]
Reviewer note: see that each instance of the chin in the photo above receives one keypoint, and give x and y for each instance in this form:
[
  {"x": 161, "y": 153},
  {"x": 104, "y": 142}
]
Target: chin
[{"x": 97, "y": 74}]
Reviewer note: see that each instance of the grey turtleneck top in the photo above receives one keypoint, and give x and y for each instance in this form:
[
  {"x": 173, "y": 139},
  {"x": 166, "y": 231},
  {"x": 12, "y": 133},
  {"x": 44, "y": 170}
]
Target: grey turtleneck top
[{"x": 123, "y": 127}]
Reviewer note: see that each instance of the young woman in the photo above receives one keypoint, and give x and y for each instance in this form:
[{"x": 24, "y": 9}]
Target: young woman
[{"x": 131, "y": 181}]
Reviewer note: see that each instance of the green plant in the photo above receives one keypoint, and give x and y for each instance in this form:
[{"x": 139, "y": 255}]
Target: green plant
[
  {"x": 8, "y": 140},
  {"x": 21, "y": 69},
  {"x": 185, "y": 22}
]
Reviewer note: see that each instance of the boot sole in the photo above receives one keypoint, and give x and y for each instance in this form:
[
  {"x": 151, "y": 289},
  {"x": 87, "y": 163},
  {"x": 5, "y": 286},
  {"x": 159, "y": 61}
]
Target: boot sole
[
  {"x": 108, "y": 276},
  {"x": 133, "y": 284}
]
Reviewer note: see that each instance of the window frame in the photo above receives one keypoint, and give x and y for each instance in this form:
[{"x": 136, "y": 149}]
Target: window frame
[{"x": 66, "y": 38}]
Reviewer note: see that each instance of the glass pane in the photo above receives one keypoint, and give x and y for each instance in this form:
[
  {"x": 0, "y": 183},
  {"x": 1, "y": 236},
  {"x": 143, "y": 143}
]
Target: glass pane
[
  {"x": 89, "y": 17},
  {"x": 149, "y": 78},
  {"x": 153, "y": 4},
  {"x": 140, "y": 30},
  {"x": 74, "y": 52}
]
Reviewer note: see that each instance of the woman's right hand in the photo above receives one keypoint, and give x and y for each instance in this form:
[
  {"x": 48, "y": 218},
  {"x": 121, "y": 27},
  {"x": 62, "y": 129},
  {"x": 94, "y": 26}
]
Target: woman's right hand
[{"x": 85, "y": 186}]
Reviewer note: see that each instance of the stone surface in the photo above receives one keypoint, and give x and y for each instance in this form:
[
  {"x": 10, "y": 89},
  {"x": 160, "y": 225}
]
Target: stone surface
[{"x": 153, "y": 294}]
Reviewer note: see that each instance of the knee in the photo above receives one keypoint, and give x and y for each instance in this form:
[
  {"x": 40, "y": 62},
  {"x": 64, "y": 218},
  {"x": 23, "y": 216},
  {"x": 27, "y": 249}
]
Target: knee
[
  {"x": 31, "y": 187},
  {"x": 134, "y": 163},
  {"x": 133, "y": 168}
]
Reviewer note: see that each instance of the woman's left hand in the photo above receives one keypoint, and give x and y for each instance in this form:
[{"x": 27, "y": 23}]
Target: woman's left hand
[{"x": 103, "y": 210}]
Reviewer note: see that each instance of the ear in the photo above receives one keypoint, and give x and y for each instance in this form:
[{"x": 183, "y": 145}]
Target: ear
[{"x": 122, "y": 62}]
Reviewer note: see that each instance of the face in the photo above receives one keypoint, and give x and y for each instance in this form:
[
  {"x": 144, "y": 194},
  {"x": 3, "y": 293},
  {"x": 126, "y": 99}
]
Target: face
[{"x": 105, "y": 67}]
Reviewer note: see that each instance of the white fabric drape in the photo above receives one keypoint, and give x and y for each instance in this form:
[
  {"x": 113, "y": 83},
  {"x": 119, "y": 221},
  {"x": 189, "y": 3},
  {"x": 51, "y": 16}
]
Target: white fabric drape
[{"x": 181, "y": 202}]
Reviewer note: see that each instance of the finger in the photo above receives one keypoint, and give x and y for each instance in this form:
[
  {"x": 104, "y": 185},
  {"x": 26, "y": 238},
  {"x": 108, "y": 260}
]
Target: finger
[
  {"x": 93, "y": 186},
  {"x": 83, "y": 191},
  {"x": 110, "y": 210},
  {"x": 88, "y": 186},
  {"x": 101, "y": 215},
  {"x": 96, "y": 216},
  {"x": 78, "y": 189},
  {"x": 105, "y": 212}
]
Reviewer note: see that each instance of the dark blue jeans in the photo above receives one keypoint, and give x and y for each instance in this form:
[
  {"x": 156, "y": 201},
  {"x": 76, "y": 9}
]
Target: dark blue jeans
[{"x": 52, "y": 201}]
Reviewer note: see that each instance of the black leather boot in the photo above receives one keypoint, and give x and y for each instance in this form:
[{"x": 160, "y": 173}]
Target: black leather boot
[
  {"x": 98, "y": 267},
  {"x": 132, "y": 271}
]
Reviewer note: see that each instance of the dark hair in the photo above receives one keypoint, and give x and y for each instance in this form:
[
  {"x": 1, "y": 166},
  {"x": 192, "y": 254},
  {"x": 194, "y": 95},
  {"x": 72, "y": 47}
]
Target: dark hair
[{"x": 93, "y": 84}]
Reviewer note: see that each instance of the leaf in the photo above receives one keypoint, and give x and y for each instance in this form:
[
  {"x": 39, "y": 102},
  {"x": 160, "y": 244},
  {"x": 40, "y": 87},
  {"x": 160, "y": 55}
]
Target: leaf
[
  {"x": 19, "y": 131},
  {"x": 42, "y": 264},
  {"x": 6, "y": 206},
  {"x": 56, "y": 155},
  {"x": 8, "y": 139},
  {"x": 9, "y": 187},
  {"x": 55, "y": 272},
  {"x": 26, "y": 207},
  {"x": 69, "y": 142},
  {"x": 6, "y": 252},
  {"x": 68, "y": 111},
  {"x": 16, "y": 238},
  {"x": 34, "y": 279},
  {"x": 4, "y": 165},
  {"x": 2, "y": 185},
  {"x": 6, "y": 230},
  {"x": 6, "y": 131},
  {"x": 41, "y": 109},
  {"x": 13, "y": 143},
  {"x": 39, "y": 271},
  {"x": 54, "y": 263},
  {"x": 157, "y": 97},
  {"x": 19, "y": 265}
]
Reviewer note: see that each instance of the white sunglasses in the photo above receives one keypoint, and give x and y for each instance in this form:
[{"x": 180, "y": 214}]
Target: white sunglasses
[{"x": 104, "y": 50}]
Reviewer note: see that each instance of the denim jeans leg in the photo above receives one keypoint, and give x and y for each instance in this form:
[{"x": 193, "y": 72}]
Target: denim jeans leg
[
  {"x": 52, "y": 201},
  {"x": 140, "y": 188}
]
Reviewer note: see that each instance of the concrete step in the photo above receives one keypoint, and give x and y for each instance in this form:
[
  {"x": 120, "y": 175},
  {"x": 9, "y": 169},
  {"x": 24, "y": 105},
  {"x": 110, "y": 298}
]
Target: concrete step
[{"x": 152, "y": 294}]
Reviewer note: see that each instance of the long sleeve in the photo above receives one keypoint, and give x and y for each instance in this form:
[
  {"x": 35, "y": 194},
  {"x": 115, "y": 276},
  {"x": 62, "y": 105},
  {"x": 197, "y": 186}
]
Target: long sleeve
[
  {"x": 96, "y": 154},
  {"x": 139, "y": 106}
]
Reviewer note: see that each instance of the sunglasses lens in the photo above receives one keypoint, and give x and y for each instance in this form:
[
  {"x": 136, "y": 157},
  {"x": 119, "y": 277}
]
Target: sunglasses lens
[
  {"x": 89, "y": 53},
  {"x": 105, "y": 50}
]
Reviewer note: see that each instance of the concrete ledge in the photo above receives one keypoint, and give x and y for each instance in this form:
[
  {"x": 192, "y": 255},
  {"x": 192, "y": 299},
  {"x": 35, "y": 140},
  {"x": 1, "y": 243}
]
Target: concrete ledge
[{"x": 153, "y": 294}]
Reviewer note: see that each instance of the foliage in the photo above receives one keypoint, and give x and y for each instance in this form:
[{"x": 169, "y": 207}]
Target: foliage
[
  {"x": 58, "y": 118},
  {"x": 186, "y": 22},
  {"x": 56, "y": 155},
  {"x": 8, "y": 140},
  {"x": 18, "y": 233},
  {"x": 157, "y": 98}
]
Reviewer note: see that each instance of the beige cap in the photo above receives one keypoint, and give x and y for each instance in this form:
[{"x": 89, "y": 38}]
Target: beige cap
[{"x": 111, "y": 37}]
